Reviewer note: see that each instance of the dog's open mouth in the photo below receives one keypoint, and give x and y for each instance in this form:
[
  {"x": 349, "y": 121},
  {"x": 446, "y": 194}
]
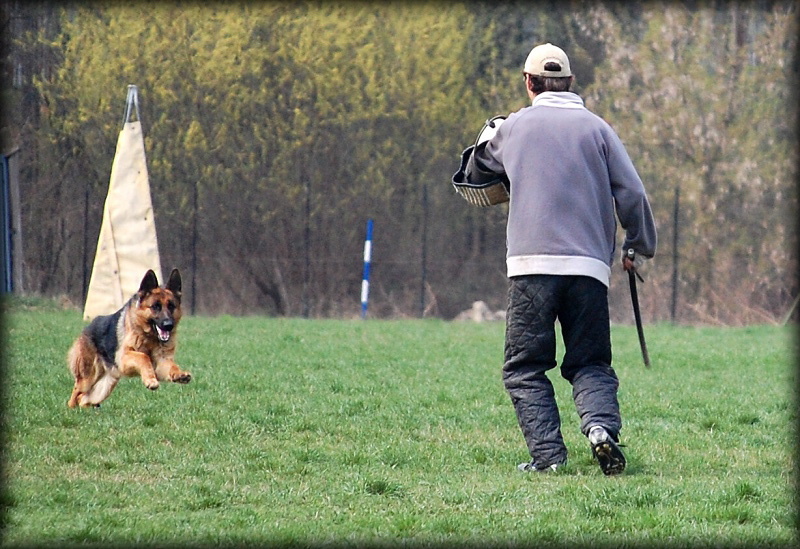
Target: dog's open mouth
[{"x": 163, "y": 335}]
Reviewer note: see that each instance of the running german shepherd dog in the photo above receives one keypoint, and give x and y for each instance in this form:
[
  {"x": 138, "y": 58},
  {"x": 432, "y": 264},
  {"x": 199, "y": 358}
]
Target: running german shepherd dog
[{"x": 137, "y": 340}]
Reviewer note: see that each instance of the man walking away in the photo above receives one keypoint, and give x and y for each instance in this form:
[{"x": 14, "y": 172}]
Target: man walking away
[{"x": 570, "y": 180}]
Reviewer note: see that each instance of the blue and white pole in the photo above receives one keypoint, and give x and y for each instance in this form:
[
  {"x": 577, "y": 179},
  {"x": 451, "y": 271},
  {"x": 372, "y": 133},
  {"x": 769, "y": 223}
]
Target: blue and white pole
[{"x": 367, "y": 261}]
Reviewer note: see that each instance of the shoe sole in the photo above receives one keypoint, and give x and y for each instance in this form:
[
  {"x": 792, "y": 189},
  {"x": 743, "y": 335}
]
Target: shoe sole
[
  {"x": 610, "y": 457},
  {"x": 526, "y": 468}
]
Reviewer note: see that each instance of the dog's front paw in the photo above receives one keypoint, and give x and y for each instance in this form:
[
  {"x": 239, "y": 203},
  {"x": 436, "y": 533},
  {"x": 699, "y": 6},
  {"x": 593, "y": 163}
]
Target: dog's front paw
[
  {"x": 182, "y": 377},
  {"x": 151, "y": 384}
]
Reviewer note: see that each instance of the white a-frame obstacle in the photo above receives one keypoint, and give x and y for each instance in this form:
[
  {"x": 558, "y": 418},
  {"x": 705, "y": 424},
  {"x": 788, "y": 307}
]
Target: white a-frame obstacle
[{"x": 127, "y": 246}]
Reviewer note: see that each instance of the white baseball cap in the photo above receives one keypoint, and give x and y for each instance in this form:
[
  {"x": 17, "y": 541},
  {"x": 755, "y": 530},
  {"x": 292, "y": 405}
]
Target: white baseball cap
[{"x": 543, "y": 54}]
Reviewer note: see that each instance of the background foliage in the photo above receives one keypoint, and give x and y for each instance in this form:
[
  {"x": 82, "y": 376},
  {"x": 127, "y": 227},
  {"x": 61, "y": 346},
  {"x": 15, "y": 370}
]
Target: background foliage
[{"x": 275, "y": 130}]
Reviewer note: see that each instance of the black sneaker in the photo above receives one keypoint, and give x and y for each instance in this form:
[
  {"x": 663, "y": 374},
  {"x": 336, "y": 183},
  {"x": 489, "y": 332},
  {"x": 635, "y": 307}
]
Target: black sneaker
[{"x": 606, "y": 451}]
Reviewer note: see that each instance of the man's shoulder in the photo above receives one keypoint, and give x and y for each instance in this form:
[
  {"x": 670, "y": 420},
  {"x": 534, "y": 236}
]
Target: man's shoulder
[
  {"x": 584, "y": 117},
  {"x": 519, "y": 113}
]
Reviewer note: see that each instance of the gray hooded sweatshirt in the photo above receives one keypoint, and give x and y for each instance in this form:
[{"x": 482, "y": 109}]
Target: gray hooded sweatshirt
[{"x": 569, "y": 172}]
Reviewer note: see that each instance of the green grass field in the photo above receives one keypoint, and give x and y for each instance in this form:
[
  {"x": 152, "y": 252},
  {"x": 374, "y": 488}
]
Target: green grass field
[{"x": 313, "y": 432}]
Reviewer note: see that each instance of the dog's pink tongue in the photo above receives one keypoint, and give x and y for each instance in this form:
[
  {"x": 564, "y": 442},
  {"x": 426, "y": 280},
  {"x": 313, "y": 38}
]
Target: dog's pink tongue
[{"x": 163, "y": 335}]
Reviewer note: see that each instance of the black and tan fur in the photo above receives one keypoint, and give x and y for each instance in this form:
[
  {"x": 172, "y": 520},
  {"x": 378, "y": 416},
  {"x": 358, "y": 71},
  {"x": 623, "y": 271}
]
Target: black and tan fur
[{"x": 138, "y": 340}]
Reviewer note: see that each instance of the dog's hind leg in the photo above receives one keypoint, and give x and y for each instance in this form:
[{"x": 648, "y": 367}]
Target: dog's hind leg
[
  {"x": 84, "y": 365},
  {"x": 99, "y": 391},
  {"x": 76, "y": 395}
]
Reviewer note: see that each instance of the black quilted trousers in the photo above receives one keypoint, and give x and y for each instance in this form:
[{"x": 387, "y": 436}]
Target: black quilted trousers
[{"x": 580, "y": 304}]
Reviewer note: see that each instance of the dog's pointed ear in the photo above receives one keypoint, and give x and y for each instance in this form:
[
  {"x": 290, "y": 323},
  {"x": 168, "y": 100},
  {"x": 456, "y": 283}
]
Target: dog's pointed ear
[
  {"x": 174, "y": 283},
  {"x": 149, "y": 283}
]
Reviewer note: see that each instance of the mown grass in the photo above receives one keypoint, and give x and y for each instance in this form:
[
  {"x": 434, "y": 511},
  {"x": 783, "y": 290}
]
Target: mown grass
[{"x": 314, "y": 432}]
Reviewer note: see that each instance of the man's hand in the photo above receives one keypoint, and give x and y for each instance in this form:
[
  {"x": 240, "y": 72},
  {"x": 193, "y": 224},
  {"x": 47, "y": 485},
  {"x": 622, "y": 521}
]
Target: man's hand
[
  {"x": 627, "y": 264},
  {"x": 631, "y": 261}
]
